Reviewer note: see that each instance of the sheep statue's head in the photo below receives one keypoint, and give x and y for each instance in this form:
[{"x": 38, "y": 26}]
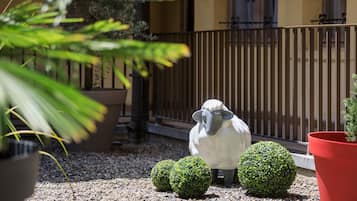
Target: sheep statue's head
[{"x": 211, "y": 115}]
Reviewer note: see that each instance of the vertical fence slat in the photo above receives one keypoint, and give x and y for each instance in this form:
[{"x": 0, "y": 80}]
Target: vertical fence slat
[
  {"x": 178, "y": 84},
  {"x": 265, "y": 84},
  {"x": 69, "y": 68},
  {"x": 287, "y": 85},
  {"x": 233, "y": 44},
  {"x": 245, "y": 76},
  {"x": 320, "y": 73},
  {"x": 183, "y": 80},
  {"x": 251, "y": 80},
  {"x": 163, "y": 93},
  {"x": 172, "y": 92},
  {"x": 189, "y": 69},
  {"x": 280, "y": 80},
  {"x": 338, "y": 80},
  {"x": 165, "y": 76},
  {"x": 155, "y": 92},
  {"x": 221, "y": 66},
  {"x": 347, "y": 59},
  {"x": 176, "y": 93},
  {"x": 210, "y": 79},
  {"x": 205, "y": 68},
  {"x": 259, "y": 79},
  {"x": 303, "y": 84},
  {"x": 228, "y": 68},
  {"x": 272, "y": 83},
  {"x": 185, "y": 76},
  {"x": 239, "y": 73},
  {"x": 329, "y": 78},
  {"x": 312, "y": 79},
  {"x": 295, "y": 86},
  {"x": 199, "y": 71},
  {"x": 216, "y": 72}
]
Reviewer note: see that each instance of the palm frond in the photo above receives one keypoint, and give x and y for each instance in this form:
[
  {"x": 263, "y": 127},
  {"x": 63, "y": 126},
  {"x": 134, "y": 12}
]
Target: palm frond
[{"x": 45, "y": 103}]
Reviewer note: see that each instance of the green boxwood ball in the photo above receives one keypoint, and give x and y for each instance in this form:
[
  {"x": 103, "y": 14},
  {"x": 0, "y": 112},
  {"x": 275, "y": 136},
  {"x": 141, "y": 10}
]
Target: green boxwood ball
[
  {"x": 190, "y": 177},
  {"x": 266, "y": 169},
  {"x": 160, "y": 175}
]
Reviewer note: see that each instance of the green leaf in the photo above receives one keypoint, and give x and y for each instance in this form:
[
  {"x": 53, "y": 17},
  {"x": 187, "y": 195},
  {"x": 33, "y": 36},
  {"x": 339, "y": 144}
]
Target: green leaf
[
  {"x": 74, "y": 56},
  {"x": 122, "y": 77},
  {"x": 103, "y": 26}
]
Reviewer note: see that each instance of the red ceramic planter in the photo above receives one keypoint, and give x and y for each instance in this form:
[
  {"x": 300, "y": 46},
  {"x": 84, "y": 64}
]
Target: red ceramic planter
[{"x": 336, "y": 165}]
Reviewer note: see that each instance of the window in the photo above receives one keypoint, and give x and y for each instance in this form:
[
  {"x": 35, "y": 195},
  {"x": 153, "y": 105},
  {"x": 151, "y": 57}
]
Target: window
[
  {"x": 253, "y": 13},
  {"x": 333, "y": 12}
]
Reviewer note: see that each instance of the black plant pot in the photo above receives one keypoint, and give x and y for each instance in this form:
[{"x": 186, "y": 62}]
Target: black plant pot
[
  {"x": 19, "y": 171},
  {"x": 101, "y": 140}
]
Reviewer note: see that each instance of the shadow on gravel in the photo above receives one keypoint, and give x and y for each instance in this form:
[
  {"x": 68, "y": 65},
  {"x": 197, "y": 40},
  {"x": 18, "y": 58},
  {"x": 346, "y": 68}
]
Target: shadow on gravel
[
  {"x": 287, "y": 197},
  {"x": 296, "y": 197},
  {"x": 203, "y": 197},
  {"x": 129, "y": 161}
]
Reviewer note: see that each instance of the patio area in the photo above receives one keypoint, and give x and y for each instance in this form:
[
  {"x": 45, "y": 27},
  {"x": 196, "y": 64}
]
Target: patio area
[
  {"x": 164, "y": 100},
  {"x": 124, "y": 174}
]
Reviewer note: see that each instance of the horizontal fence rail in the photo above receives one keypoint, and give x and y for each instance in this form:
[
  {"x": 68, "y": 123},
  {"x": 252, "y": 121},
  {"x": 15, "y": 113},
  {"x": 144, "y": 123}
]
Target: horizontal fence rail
[{"x": 283, "y": 82}]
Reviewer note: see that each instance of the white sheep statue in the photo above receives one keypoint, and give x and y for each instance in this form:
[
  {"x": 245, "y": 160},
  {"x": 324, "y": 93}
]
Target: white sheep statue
[{"x": 219, "y": 138}]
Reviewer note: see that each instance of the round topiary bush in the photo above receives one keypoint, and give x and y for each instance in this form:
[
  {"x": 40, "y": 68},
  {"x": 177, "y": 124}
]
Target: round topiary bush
[
  {"x": 266, "y": 169},
  {"x": 190, "y": 177},
  {"x": 160, "y": 175}
]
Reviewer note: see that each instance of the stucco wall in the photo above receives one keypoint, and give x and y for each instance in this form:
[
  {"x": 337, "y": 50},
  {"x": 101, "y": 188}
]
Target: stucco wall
[
  {"x": 298, "y": 12},
  {"x": 209, "y": 14},
  {"x": 351, "y": 6}
]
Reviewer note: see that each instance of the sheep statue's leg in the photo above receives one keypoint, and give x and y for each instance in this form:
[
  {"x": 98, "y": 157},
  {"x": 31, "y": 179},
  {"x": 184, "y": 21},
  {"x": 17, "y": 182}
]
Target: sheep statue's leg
[
  {"x": 214, "y": 173},
  {"x": 228, "y": 177}
]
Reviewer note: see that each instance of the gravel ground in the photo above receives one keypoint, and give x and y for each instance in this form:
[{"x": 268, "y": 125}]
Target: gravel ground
[{"x": 124, "y": 174}]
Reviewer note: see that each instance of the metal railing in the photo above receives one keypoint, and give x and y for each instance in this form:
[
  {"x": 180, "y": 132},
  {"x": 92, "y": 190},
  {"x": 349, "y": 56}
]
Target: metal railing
[{"x": 284, "y": 82}]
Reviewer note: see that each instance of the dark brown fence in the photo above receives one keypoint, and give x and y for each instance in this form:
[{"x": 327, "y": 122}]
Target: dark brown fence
[{"x": 284, "y": 82}]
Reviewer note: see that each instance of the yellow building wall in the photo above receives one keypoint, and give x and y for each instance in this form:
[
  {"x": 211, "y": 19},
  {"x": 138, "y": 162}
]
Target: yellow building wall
[
  {"x": 351, "y": 6},
  {"x": 311, "y": 10},
  {"x": 209, "y": 14},
  {"x": 298, "y": 12}
]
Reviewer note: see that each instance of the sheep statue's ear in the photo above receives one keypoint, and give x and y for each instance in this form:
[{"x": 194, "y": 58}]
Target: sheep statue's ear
[
  {"x": 227, "y": 115},
  {"x": 197, "y": 116}
]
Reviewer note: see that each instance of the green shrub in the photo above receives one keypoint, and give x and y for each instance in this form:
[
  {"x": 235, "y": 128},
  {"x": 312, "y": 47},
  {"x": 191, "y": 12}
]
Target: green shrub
[
  {"x": 160, "y": 175},
  {"x": 190, "y": 177},
  {"x": 350, "y": 113},
  {"x": 266, "y": 169}
]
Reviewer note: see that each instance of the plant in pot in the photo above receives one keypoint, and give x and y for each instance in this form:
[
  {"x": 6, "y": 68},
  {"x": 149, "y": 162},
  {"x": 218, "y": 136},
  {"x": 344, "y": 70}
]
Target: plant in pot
[
  {"x": 335, "y": 154},
  {"x": 48, "y": 107}
]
